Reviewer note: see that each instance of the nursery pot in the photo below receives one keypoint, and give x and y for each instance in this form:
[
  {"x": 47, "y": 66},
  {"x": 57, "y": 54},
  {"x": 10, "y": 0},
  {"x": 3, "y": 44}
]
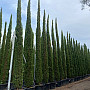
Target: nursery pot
[
  {"x": 39, "y": 87},
  {"x": 3, "y": 86},
  {"x": 71, "y": 80},
  {"x": 58, "y": 84},
  {"x": 47, "y": 86},
  {"x": 52, "y": 85},
  {"x": 67, "y": 80}
]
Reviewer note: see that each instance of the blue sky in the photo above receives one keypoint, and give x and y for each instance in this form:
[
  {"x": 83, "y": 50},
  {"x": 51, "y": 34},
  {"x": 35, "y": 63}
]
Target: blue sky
[{"x": 69, "y": 14}]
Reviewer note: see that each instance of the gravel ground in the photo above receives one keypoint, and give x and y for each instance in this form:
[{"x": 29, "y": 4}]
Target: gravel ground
[{"x": 79, "y": 85}]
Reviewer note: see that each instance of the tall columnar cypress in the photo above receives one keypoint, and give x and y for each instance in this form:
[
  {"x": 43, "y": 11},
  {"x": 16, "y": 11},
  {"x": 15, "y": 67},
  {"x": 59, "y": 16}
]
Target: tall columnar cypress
[
  {"x": 55, "y": 57},
  {"x": 58, "y": 51},
  {"x": 38, "y": 74},
  {"x": 18, "y": 51},
  {"x": 63, "y": 56},
  {"x": 85, "y": 59},
  {"x": 0, "y": 24},
  {"x": 74, "y": 56},
  {"x": 71, "y": 57},
  {"x": 2, "y": 51},
  {"x": 82, "y": 60},
  {"x": 7, "y": 54},
  {"x": 44, "y": 53},
  {"x": 50, "y": 56},
  {"x": 67, "y": 58},
  {"x": 88, "y": 71},
  {"x": 28, "y": 50}
]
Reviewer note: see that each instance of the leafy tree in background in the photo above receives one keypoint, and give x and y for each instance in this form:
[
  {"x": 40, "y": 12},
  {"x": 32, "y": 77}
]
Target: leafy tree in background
[
  {"x": 44, "y": 53},
  {"x": 58, "y": 51},
  {"x": 0, "y": 24},
  {"x": 18, "y": 52},
  {"x": 55, "y": 57},
  {"x": 38, "y": 71},
  {"x": 7, "y": 55},
  {"x": 50, "y": 55},
  {"x": 85, "y": 3},
  {"x": 28, "y": 51},
  {"x": 63, "y": 55},
  {"x": 2, "y": 51}
]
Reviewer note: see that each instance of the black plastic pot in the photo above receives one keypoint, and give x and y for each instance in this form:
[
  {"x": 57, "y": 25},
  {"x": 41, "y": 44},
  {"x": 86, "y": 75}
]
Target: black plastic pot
[
  {"x": 71, "y": 80},
  {"x": 58, "y": 84},
  {"x": 63, "y": 82},
  {"x": 39, "y": 87},
  {"x": 3, "y": 86},
  {"x": 52, "y": 85},
  {"x": 47, "y": 86},
  {"x": 67, "y": 81}
]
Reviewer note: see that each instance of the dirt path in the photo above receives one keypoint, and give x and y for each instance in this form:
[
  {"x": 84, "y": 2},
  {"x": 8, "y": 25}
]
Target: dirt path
[{"x": 79, "y": 85}]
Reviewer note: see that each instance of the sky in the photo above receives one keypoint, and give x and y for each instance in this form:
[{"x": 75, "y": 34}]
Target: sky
[{"x": 69, "y": 15}]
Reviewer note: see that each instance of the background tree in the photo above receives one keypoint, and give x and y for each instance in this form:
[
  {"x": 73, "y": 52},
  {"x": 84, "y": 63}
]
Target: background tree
[
  {"x": 38, "y": 75},
  {"x": 44, "y": 53},
  {"x": 50, "y": 55},
  {"x": 28, "y": 51},
  {"x": 18, "y": 51},
  {"x": 7, "y": 55},
  {"x": 55, "y": 57},
  {"x": 85, "y": 3},
  {"x": 2, "y": 51}
]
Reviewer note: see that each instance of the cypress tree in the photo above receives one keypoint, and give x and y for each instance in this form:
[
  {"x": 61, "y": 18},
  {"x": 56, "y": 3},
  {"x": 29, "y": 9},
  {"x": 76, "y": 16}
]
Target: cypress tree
[
  {"x": 63, "y": 55},
  {"x": 2, "y": 51},
  {"x": 50, "y": 56},
  {"x": 0, "y": 24},
  {"x": 58, "y": 51},
  {"x": 28, "y": 50},
  {"x": 55, "y": 57},
  {"x": 44, "y": 53},
  {"x": 88, "y": 71},
  {"x": 38, "y": 74},
  {"x": 85, "y": 59},
  {"x": 74, "y": 56},
  {"x": 7, "y": 54},
  {"x": 18, "y": 51},
  {"x": 67, "y": 58}
]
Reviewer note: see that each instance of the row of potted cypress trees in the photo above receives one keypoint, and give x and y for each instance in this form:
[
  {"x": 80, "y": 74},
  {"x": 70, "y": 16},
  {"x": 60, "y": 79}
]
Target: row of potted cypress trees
[{"x": 52, "y": 63}]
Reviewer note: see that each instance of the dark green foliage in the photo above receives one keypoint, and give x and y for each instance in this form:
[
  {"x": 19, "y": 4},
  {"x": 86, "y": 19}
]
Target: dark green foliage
[
  {"x": 63, "y": 55},
  {"x": 38, "y": 72},
  {"x": 58, "y": 52},
  {"x": 85, "y": 59},
  {"x": 7, "y": 55},
  {"x": 88, "y": 71},
  {"x": 44, "y": 53},
  {"x": 28, "y": 51},
  {"x": 67, "y": 57},
  {"x": 2, "y": 52},
  {"x": 50, "y": 56},
  {"x": 0, "y": 24},
  {"x": 18, "y": 51},
  {"x": 55, "y": 57}
]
